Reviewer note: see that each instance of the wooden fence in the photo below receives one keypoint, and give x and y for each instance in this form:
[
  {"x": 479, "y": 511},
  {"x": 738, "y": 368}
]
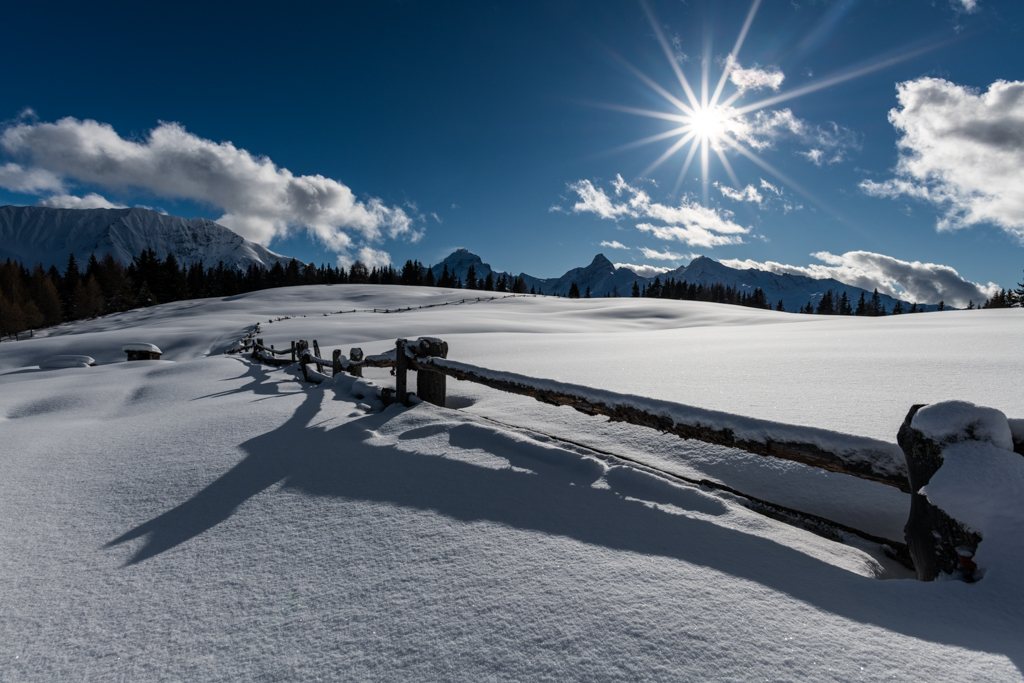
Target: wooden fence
[{"x": 936, "y": 543}]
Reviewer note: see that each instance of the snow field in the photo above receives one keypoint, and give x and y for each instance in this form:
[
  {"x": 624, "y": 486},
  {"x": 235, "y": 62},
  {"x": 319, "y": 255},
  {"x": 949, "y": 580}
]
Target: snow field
[{"x": 203, "y": 517}]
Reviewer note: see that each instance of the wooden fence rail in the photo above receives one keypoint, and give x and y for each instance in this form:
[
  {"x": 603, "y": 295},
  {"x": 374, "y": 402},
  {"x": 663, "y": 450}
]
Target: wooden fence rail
[{"x": 861, "y": 457}]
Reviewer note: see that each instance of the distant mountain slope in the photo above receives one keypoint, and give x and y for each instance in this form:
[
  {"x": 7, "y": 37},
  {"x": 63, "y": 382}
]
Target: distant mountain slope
[
  {"x": 603, "y": 278},
  {"x": 36, "y": 234},
  {"x": 793, "y": 290}
]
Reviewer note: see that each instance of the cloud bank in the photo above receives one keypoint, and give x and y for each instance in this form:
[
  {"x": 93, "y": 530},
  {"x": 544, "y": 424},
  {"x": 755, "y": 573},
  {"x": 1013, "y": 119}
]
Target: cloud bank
[
  {"x": 689, "y": 223},
  {"x": 913, "y": 280},
  {"x": 962, "y": 151},
  {"x": 260, "y": 200},
  {"x": 89, "y": 201}
]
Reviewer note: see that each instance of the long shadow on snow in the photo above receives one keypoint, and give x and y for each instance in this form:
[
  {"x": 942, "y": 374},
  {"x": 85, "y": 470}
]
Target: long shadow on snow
[{"x": 556, "y": 497}]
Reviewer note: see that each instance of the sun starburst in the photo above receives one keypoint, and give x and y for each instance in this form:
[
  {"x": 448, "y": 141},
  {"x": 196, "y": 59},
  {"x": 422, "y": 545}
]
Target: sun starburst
[{"x": 708, "y": 123}]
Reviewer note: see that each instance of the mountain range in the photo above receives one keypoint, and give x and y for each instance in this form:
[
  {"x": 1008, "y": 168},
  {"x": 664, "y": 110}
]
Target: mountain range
[
  {"x": 37, "y": 234},
  {"x": 603, "y": 278},
  {"x": 33, "y": 234}
]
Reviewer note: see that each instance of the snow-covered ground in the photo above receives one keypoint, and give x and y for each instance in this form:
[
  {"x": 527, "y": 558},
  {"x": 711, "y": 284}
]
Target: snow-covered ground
[{"x": 202, "y": 517}]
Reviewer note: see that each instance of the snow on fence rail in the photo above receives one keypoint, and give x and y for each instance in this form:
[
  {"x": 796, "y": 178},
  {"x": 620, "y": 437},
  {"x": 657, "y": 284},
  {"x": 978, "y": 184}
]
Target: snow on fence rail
[{"x": 937, "y": 543}]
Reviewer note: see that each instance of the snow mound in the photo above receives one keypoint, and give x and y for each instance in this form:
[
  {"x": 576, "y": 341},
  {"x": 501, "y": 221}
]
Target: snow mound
[{"x": 55, "y": 362}]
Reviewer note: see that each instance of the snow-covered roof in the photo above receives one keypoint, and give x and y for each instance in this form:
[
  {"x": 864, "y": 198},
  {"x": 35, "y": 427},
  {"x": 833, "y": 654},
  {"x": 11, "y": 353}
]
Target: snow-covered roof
[
  {"x": 149, "y": 348},
  {"x": 67, "y": 362}
]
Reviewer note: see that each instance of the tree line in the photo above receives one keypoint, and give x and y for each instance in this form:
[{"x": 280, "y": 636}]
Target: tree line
[{"x": 37, "y": 297}]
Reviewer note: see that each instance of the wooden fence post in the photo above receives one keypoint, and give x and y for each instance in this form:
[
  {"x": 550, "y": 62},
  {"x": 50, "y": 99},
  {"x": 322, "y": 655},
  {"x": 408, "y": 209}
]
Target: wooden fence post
[
  {"x": 401, "y": 366},
  {"x": 355, "y": 356},
  {"x": 430, "y": 386},
  {"x": 302, "y": 346},
  {"x": 336, "y": 362},
  {"x": 938, "y": 543},
  {"x": 316, "y": 352},
  {"x": 293, "y": 352}
]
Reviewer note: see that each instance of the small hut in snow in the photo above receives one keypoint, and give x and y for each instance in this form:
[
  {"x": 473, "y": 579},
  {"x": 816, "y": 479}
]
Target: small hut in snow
[{"x": 142, "y": 351}]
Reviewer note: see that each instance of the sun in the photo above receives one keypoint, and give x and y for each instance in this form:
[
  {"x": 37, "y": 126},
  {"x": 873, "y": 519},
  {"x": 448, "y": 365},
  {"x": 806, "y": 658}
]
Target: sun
[{"x": 709, "y": 123}]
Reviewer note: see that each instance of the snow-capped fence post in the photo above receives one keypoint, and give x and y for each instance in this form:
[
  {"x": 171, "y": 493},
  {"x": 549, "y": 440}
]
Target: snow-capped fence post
[
  {"x": 430, "y": 386},
  {"x": 938, "y": 543},
  {"x": 355, "y": 357},
  {"x": 401, "y": 366},
  {"x": 336, "y": 362}
]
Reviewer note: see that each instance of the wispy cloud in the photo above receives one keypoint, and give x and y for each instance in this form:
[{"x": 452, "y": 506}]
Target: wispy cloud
[
  {"x": 747, "y": 194},
  {"x": 260, "y": 200},
  {"x": 756, "y": 78},
  {"x": 921, "y": 282},
  {"x": 962, "y": 151},
  {"x": 661, "y": 255},
  {"x": 689, "y": 222},
  {"x": 829, "y": 142},
  {"x": 614, "y": 244}
]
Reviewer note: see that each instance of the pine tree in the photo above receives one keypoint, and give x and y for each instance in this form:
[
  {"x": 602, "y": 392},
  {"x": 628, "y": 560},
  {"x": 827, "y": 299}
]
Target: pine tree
[
  {"x": 862, "y": 306},
  {"x": 827, "y": 304},
  {"x": 488, "y": 283},
  {"x": 357, "y": 274},
  {"x": 574, "y": 291},
  {"x": 876, "y": 307},
  {"x": 587, "y": 295},
  {"x": 636, "y": 289},
  {"x": 70, "y": 281},
  {"x": 897, "y": 308},
  {"x": 471, "y": 279},
  {"x": 780, "y": 307}
]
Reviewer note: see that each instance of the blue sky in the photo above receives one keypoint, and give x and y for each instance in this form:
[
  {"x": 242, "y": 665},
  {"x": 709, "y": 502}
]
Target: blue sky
[{"x": 398, "y": 130}]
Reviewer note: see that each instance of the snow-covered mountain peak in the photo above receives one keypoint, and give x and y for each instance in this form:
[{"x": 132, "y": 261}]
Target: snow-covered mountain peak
[{"x": 36, "y": 234}]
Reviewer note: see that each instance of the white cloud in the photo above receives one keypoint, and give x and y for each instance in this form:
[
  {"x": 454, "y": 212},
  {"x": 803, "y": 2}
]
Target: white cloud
[
  {"x": 373, "y": 257},
  {"x": 260, "y": 200},
  {"x": 756, "y": 78},
  {"x": 689, "y": 222},
  {"x": 644, "y": 270},
  {"x": 594, "y": 200},
  {"x": 614, "y": 244},
  {"x": 661, "y": 255},
  {"x": 962, "y": 151},
  {"x": 967, "y": 5},
  {"x": 747, "y": 194},
  {"x": 921, "y": 282},
  {"x": 16, "y": 178},
  {"x": 89, "y": 201}
]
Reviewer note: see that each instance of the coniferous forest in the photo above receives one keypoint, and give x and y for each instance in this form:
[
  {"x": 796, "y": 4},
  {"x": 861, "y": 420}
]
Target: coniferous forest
[{"x": 34, "y": 298}]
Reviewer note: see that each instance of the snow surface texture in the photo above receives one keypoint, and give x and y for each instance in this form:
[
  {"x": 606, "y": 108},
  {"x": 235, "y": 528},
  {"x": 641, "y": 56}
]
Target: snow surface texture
[
  {"x": 980, "y": 482},
  {"x": 36, "y": 234},
  {"x": 205, "y": 518}
]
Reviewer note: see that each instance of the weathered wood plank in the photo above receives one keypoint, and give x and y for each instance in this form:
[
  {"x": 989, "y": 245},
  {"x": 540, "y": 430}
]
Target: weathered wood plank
[{"x": 805, "y": 453}]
